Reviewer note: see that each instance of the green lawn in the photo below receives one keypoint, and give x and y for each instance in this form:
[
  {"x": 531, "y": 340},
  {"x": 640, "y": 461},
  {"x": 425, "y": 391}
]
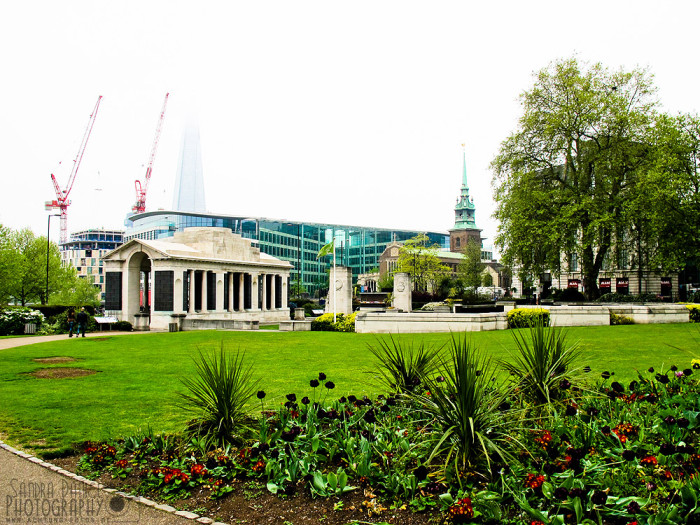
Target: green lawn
[{"x": 139, "y": 374}]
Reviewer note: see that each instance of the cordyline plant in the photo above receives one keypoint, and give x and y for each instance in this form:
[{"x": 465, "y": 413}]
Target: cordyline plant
[
  {"x": 401, "y": 365},
  {"x": 219, "y": 395},
  {"x": 465, "y": 404},
  {"x": 542, "y": 366}
]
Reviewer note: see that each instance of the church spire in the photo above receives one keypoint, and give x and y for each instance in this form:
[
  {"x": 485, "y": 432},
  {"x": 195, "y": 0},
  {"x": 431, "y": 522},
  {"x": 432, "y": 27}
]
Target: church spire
[{"x": 465, "y": 210}]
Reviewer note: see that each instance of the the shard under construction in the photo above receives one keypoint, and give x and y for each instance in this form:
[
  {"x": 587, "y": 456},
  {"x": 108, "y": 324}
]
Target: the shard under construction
[{"x": 189, "y": 184}]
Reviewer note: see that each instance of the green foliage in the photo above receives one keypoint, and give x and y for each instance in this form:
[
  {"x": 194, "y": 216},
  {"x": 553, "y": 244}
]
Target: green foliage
[
  {"x": 543, "y": 362},
  {"x": 77, "y": 290},
  {"x": 123, "y": 326},
  {"x": 463, "y": 404},
  {"x": 470, "y": 267},
  {"x": 694, "y": 312},
  {"x": 625, "y": 298},
  {"x": 386, "y": 282},
  {"x": 218, "y": 394},
  {"x": 420, "y": 260},
  {"x": 570, "y": 295},
  {"x": 526, "y": 317},
  {"x": 12, "y": 320},
  {"x": 343, "y": 323},
  {"x": 616, "y": 319},
  {"x": 403, "y": 365}
]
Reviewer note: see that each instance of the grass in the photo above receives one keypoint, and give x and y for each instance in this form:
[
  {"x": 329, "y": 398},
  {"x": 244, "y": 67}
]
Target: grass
[{"x": 138, "y": 377}]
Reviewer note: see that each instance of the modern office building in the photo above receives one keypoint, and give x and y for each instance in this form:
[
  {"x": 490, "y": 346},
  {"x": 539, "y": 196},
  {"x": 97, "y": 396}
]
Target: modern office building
[
  {"x": 357, "y": 247},
  {"x": 84, "y": 252}
]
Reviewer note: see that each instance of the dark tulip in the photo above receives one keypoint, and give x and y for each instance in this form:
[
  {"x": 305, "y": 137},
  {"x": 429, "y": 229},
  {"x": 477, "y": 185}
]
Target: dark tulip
[
  {"x": 605, "y": 430},
  {"x": 577, "y": 493},
  {"x": 667, "y": 449},
  {"x": 391, "y": 401},
  {"x": 696, "y": 366},
  {"x": 628, "y": 455},
  {"x": 651, "y": 369},
  {"x": 384, "y": 408},
  {"x": 342, "y": 399},
  {"x": 305, "y": 400},
  {"x": 313, "y": 383},
  {"x": 504, "y": 406},
  {"x": 549, "y": 468},
  {"x": 321, "y": 413},
  {"x": 633, "y": 507},
  {"x": 599, "y": 497},
  {"x": 662, "y": 378},
  {"x": 586, "y": 368},
  {"x": 593, "y": 411},
  {"x": 670, "y": 420},
  {"x": 674, "y": 368},
  {"x": 288, "y": 405},
  {"x": 571, "y": 410},
  {"x": 291, "y": 397},
  {"x": 561, "y": 493},
  {"x": 682, "y": 422},
  {"x": 565, "y": 384},
  {"x": 633, "y": 386},
  {"x": 687, "y": 372},
  {"x": 651, "y": 398},
  {"x": 370, "y": 416},
  {"x": 617, "y": 387},
  {"x": 440, "y": 379},
  {"x": 321, "y": 376},
  {"x": 421, "y": 473},
  {"x": 261, "y": 394},
  {"x": 330, "y": 385},
  {"x": 263, "y": 447},
  {"x": 352, "y": 399},
  {"x": 605, "y": 375}
]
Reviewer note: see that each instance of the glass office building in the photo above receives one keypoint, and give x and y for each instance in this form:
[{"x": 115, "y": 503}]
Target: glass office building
[{"x": 357, "y": 247}]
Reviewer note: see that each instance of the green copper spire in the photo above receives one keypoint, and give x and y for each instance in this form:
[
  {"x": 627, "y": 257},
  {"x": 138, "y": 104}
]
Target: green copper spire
[{"x": 465, "y": 209}]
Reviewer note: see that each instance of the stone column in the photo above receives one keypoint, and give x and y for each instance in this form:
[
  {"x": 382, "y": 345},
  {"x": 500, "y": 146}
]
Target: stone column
[
  {"x": 263, "y": 276},
  {"x": 241, "y": 292},
  {"x": 178, "y": 285},
  {"x": 340, "y": 291},
  {"x": 273, "y": 290},
  {"x": 284, "y": 292},
  {"x": 192, "y": 288},
  {"x": 219, "y": 287},
  {"x": 254, "y": 291},
  {"x": 204, "y": 290},
  {"x": 402, "y": 292},
  {"x": 230, "y": 292}
]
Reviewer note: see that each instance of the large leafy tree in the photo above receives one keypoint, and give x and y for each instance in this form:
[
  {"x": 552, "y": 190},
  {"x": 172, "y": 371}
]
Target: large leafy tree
[
  {"x": 419, "y": 258},
  {"x": 564, "y": 180}
]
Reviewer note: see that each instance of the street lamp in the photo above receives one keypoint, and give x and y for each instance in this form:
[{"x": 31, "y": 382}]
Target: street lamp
[{"x": 48, "y": 247}]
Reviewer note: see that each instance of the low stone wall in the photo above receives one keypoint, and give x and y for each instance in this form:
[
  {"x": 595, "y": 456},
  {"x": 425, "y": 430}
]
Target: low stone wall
[
  {"x": 652, "y": 313},
  {"x": 575, "y": 315},
  {"x": 295, "y": 326},
  {"x": 412, "y": 323},
  {"x": 220, "y": 324}
]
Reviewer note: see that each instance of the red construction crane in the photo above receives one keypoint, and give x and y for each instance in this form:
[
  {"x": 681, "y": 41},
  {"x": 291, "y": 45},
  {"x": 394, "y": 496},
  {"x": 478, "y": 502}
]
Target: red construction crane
[
  {"x": 141, "y": 191},
  {"x": 62, "y": 201}
]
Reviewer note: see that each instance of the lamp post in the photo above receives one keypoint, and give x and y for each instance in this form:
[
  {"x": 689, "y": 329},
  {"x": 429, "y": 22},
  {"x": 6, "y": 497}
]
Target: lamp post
[{"x": 48, "y": 249}]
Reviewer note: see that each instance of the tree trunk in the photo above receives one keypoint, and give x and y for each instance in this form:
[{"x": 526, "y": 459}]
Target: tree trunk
[{"x": 589, "y": 271}]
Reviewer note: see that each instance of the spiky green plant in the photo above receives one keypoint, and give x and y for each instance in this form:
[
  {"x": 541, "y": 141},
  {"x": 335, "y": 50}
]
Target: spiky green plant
[
  {"x": 542, "y": 363},
  {"x": 219, "y": 395},
  {"x": 402, "y": 365},
  {"x": 464, "y": 404}
]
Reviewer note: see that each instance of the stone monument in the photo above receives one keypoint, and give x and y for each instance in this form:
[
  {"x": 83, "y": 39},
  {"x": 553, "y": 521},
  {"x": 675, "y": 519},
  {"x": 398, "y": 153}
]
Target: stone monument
[
  {"x": 340, "y": 291},
  {"x": 403, "y": 296}
]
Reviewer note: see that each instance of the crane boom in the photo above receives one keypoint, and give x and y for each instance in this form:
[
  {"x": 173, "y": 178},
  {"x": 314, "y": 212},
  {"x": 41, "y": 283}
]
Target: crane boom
[
  {"x": 142, "y": 190},
  {"x": 62, "y": 201}
]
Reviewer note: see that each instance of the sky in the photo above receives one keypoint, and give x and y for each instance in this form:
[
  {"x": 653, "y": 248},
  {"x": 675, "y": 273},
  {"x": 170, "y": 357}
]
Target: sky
[{"x": 338, "y": 112}]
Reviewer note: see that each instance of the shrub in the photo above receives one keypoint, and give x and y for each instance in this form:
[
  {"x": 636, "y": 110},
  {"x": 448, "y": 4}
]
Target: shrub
[
  {"x": 123, "y": 326},
  {"x": 343, "y": 323},
  {"x": 347, "y": 324},
  {"x": 218, "y": 394},
  {"x": 402, "y": 365},
  {"x": 526, "y": 317},
  {"x": 540, "y": 366},
  {"x": 12, "y": 320},
  {"x": 570, "y": 295},
  {"x": 463, "y": 405},
  {"x": 624, "y": 298},
  {"x": 60, "y": 323},
  {"x": 694, "y": 312},
  {"x": 620, "y": 319}
]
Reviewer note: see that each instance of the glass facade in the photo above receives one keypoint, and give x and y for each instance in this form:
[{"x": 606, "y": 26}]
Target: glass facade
[{"x": 357, "y": 247}]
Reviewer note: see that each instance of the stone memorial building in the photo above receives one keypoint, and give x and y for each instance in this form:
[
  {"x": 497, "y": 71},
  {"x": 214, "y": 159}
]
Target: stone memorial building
[{"x": 200, "y": 278}]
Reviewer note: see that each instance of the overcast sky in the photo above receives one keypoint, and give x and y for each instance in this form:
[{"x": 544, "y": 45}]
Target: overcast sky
[{"x": 340, "y": 112}]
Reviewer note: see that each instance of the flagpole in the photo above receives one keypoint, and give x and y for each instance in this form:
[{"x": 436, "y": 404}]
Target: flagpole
[{"x": 335, "y": 278}]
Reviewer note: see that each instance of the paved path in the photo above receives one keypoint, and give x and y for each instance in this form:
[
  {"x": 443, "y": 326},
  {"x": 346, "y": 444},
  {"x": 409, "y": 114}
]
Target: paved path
[{"x": 34, "y": 491}]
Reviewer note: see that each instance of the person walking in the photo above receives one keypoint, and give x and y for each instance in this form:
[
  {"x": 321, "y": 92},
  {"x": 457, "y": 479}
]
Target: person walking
[
  {"x": 71, "y": 321},
  {"x": 82, "y": 322}
]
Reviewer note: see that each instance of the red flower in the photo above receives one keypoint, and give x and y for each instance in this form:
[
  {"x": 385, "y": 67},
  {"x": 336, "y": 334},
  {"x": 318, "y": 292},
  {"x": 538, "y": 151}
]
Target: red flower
[
  {"x": 461, "y": 511},
  {"x": 168, "y": 478},
  {"x": 534, "y": 481},
  {"x": 122, "y": 463},
  {"x": 259, "y": 466},
  {"x": 649, "y": 460},
  {"x": 545, "y": 439},
  {"x": 198, "y": 470}
]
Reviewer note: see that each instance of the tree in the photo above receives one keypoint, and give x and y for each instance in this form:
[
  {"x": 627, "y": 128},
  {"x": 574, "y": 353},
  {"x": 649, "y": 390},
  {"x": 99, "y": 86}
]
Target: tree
[
  {"x": 563, "y": 179},
  {"x": 486, "y": 280},
  {"x": 77, "y": 290},
  {"x": 420, "y": 260},
  {"x": 470, "y": 267},
  {"x": 8, "y": 265}
]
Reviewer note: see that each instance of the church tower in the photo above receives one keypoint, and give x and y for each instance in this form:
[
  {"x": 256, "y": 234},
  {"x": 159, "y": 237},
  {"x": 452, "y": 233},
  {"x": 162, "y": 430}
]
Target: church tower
[{"x": 465, "y": 229}]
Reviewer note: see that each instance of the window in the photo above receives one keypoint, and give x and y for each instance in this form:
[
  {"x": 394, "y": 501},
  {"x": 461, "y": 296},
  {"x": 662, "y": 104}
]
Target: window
[{"x": 573, "y": 262}]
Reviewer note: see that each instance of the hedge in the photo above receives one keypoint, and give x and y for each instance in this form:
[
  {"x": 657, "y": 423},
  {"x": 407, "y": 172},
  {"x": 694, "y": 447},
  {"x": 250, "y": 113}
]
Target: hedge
[
  {"x": 343, "y": 323},
  {"x": 525, "y": 317},
  {"x": 694, "y": 312}
]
